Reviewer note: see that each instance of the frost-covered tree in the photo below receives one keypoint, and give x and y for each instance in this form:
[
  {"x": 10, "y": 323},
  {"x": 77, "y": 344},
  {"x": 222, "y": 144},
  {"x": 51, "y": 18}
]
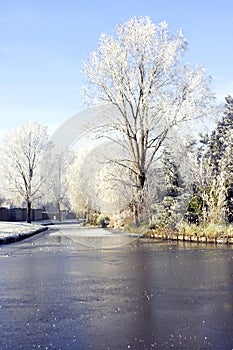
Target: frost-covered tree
[
  {"x": 216, "y": 168},
  {"x": 78, "y": 177},
  {"x": 141, "y": 72},
  {"x": 56, "y": 160},
  {"x": 95, "y": 182},
  {"x": 172, "y": 201},
  {"x": 219, "y": 142},
  {"x": 21, "y": 153}
]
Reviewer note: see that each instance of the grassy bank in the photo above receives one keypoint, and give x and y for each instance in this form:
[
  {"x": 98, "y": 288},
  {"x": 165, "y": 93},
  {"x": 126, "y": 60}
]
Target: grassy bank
[{"x": 211, "y": 233}]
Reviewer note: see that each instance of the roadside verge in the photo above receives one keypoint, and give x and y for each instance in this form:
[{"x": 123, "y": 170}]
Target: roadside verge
[{"x": 11, "y": 232}]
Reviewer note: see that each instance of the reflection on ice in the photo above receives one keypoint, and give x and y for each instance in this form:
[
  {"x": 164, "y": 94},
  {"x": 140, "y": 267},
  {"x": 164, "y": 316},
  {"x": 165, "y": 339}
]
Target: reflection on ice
[{"x": 96, "y": 237}]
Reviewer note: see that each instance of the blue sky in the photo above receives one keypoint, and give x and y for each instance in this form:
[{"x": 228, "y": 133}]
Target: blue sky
[{"x": 43, "y": 44}]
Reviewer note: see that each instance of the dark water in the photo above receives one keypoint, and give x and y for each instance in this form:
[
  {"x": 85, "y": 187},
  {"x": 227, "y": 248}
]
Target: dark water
[{"x": 58, "y": 294}]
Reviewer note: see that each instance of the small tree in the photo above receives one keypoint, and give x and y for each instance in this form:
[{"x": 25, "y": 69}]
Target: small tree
[
  {"x": 20, "y": 155},
  {"x": 80, "y": 195},
  {"x": 56, "y": 161},
  {"x": 171, "y": 205}
]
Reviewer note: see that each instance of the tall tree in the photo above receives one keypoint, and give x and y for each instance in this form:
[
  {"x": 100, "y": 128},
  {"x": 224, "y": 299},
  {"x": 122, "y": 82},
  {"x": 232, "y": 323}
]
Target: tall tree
[
  {"x": 141, "y": 73},
  {"x": 20, "y": 155}
]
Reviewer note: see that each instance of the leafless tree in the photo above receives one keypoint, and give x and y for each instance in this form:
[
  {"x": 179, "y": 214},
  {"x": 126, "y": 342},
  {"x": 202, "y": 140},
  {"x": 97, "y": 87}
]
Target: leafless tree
[
  {"x": 20, "y": 162},
  {"x": 141, "y": 73}
]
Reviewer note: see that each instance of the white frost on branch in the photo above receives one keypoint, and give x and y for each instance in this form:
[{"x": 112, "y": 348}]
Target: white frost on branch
[{"x": 141, "y": 72}]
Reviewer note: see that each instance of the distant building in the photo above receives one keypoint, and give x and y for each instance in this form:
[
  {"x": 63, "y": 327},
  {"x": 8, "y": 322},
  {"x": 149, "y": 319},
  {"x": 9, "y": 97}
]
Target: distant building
[
  {"x": 4, "y": 214},
  {"x": 20, "y": 214},
  {"x": 17, "y": 214}
]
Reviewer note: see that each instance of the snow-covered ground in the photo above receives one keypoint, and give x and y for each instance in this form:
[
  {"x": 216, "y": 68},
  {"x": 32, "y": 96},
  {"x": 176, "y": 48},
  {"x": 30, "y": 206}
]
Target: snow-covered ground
[{"x": 14, "y": 231}]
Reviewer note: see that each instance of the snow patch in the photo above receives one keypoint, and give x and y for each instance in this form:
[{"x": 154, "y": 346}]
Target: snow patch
[{"x": 15, "y": 231}]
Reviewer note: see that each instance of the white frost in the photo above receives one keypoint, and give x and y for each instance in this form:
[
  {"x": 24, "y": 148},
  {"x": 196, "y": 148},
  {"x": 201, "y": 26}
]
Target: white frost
[{"x": 14, "y": 229}]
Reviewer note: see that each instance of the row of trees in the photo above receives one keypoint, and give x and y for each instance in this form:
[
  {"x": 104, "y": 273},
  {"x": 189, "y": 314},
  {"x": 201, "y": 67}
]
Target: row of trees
[
  {"x": 147, "y": 164},
  {"x": 189, "y": 178}
]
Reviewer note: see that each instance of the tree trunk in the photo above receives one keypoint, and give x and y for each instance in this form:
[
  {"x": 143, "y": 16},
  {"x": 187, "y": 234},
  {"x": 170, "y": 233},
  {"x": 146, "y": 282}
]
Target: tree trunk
[
  {"x": 29, "y": 211},
  {"x": 138, "y": 204},
  {"x": 136, "y": 214},
  {"x": 59, "y": 211}
]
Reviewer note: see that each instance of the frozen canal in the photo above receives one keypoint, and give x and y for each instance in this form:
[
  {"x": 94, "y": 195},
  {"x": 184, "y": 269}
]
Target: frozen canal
[{"x": 58, "y": 292}]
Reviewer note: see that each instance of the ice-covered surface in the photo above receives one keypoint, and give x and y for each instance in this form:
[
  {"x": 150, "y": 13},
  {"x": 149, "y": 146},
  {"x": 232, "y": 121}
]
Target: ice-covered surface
[
  {"x": 13, "y": 231},
  {"x": 94, "y": 237},
  {"x": 57, "y": 294}
]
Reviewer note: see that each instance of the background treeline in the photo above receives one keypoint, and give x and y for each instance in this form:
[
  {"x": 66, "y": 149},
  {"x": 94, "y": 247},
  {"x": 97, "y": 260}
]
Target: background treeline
[{"x": 190, "y": 183}]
